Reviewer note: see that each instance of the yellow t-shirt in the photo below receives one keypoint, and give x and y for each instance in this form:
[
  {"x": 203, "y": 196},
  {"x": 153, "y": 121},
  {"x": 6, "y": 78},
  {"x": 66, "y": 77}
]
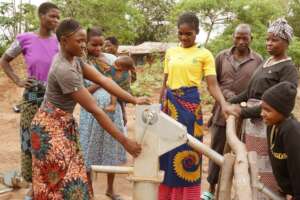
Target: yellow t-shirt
[{"x": 187, "y": 66}]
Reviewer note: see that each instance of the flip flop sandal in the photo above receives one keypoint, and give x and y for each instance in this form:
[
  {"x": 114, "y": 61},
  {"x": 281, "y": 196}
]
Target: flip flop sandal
[
  {"x": 207, "y": 196},
  {"x": 27, "y": 198},
  {"x": 13, "y": 179},
  {"x": 114, "y": 196}
]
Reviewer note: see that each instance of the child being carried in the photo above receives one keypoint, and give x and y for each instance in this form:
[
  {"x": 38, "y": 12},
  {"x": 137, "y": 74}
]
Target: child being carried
[{"x": 120, "y": 72}]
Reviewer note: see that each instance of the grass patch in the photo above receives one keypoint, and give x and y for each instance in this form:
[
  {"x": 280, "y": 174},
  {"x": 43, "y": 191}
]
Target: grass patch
[{"x": 149, "y": 77}]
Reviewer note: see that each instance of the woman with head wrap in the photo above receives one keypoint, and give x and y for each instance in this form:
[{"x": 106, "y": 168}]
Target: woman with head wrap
[{"x": 277, "y": 68}]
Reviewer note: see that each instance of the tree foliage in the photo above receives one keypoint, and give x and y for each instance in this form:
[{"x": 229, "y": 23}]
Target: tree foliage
[
  {"x": 15, "y": 19},
  {"x": 211, "y": 13},
  {"x": 294, "y": 16},
  {"x": 154, "y": 24},
  {"x": 136, "y": 21},
  {"x": 116, "y": 18},
  {"x": 131, "y": 21}
]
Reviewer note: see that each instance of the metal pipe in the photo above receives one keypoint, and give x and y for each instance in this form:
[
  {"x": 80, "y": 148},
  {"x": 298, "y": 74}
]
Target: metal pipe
[
  {"x": 112, "y": 169},
  {"x": 268, "y": 192},
  {"x": 204, "y": 149}
]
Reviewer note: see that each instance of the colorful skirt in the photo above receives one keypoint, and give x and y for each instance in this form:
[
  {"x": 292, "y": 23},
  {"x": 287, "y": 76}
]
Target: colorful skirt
[
  {"x": 32, "y": 99},
  {"x": 182, "y": 165},
  {"x": 255, "y": 137},
  {"x": 99, "y": 147},
  {"x": 57, "y": 163},
  {"x": 179, "y": 193}
]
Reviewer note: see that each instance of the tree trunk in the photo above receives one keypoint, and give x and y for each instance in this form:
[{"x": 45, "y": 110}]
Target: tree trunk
[{"x": 209, "y": 33}]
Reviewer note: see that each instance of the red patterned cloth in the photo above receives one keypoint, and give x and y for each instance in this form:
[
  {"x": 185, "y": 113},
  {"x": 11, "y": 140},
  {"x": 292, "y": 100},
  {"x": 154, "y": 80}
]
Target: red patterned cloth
[
  {"x": 179, "y": 193},
  {"x": 58, "y": 168}
]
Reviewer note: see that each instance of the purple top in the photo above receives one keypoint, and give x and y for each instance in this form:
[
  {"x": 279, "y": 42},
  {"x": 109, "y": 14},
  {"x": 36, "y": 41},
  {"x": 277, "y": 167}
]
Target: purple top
[{"x": 38, "y": 53}]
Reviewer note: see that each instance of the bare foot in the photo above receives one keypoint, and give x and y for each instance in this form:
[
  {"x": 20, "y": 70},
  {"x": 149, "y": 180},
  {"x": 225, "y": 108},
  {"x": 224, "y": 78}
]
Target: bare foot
[{"x": 110, "y": 108}]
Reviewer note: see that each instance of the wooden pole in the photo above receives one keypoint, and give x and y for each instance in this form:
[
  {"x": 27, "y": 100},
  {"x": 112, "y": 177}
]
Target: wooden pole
[
  {"x": 252, "y": 158},
  {"x": 225, "y": 184},
  {"x": 241, "y": 174}
]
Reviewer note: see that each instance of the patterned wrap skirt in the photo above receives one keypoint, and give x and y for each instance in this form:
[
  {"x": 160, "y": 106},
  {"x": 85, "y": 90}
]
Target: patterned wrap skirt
[
  {"x": 182, "y": 165},
  {"x": 32, "y": 99},
  {"x": 255, "y": 137},
  {"x": 57, "y": 163}
]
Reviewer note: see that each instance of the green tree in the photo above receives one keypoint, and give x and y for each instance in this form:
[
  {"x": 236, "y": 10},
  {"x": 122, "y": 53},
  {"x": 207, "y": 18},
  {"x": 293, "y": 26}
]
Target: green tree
[
  {"x": 154, "y": 24},
  {"x": 119, "y": 19},
  {"x": 15, "y": 19},
  {"x": 294, "y": 16},
  {"x": 256, "y": 13},
  {"x": 211, "y": 13}
]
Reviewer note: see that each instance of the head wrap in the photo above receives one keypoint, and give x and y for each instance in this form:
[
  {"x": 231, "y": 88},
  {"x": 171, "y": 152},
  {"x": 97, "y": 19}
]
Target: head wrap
[
  {"x": 281, "y": 97},
  {"x": 282, "y": 29}
]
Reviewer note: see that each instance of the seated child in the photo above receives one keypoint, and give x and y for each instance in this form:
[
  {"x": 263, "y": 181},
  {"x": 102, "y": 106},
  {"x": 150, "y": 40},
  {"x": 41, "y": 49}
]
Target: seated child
[
  {"x": 120, "y": 72},
  {"x": 283, "y": 134}
]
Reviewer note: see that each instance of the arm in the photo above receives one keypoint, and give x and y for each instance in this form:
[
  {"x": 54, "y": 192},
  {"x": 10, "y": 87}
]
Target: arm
[
  {"x": 93, "y": 75},
  {"x": 227, "y": 93},
  {"x": 247, "y": 112},
  {"x": 251, "y": 112},
  {"x": 93, "y": 88},
  {"x": 239, "y": 98},
  {"x": 164, "y": 86},
  {"x": 215, "y": 91},
  {"x": 84, "y": 98},
  {"x": 12, "y": 52},
  {"x": 124, "y": 113},
  {"x": 8, "y": 70}
]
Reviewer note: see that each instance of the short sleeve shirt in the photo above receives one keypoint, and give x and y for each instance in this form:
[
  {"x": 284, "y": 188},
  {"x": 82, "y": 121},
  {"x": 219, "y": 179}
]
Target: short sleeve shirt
[
  {"x": 186, "y": 67},
  {"x": 64, "y": 78},
  {"x": 38, "y": 53}
]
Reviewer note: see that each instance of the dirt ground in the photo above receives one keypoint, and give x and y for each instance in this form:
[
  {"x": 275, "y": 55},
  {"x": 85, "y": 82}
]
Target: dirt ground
[{"x": 10, "y": 145}]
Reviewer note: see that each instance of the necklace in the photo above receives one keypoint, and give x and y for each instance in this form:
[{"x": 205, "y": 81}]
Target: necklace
[{"x": 280, "y": 156}]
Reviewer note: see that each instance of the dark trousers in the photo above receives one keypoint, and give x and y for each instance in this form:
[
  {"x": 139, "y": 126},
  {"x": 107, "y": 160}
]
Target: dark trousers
[{"x": 218, "y": 140}]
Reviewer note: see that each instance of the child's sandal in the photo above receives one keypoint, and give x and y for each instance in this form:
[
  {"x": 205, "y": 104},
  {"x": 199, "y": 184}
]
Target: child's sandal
[{"x": 207, "y": 196}]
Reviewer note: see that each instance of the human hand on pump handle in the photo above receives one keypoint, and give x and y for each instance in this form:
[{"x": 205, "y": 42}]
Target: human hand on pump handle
[
  {"x": 230, "y": 109},
  {"x": 132, "y": 147},
  {"x": 142, "y": 101}
]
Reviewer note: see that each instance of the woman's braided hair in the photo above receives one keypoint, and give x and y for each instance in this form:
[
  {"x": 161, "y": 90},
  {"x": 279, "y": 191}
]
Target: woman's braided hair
[{"x": 67, "y": 28}]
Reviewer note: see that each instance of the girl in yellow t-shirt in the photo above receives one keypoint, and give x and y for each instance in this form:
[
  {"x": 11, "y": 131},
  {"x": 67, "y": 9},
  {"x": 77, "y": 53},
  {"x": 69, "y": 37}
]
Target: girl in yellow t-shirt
[{"x": 185, "y": 66}]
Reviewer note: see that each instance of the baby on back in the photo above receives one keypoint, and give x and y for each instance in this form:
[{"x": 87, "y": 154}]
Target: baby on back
[{"x": 120, "y": 72}]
